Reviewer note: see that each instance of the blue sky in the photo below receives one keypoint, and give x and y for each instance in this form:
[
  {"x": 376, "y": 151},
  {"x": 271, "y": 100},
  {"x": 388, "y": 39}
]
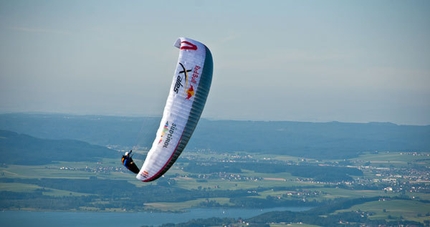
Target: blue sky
[{"x": 317, "y": 61}]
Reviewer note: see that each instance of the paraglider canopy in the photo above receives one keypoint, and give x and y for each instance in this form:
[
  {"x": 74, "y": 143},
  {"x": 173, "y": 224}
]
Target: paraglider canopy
[{"x": 187, "y": 97}]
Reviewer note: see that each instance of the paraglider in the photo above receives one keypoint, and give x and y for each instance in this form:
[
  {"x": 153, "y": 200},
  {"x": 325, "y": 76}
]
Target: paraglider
[{"x": 187, "y": 97}]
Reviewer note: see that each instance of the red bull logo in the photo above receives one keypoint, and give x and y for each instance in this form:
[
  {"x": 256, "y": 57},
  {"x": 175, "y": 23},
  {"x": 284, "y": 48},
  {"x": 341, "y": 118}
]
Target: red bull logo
[{"x": 190, "y": 92}]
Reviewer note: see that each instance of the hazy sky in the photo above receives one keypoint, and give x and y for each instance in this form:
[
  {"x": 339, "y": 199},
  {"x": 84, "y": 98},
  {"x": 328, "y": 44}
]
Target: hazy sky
[{"x": 318, "y": 61}]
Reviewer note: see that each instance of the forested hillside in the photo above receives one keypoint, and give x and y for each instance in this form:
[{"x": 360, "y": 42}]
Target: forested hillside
[{"x": 22, "y": 149}]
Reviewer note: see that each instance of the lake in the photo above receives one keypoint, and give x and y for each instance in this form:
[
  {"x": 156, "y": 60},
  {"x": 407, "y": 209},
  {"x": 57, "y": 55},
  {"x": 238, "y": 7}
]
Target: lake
[{"x": 107, "y": 219}]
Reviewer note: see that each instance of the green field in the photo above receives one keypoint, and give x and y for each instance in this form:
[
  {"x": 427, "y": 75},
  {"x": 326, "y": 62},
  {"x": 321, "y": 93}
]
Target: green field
[
  {"x": 376, "y": 170},
  {"x": 395, "y": 210}
]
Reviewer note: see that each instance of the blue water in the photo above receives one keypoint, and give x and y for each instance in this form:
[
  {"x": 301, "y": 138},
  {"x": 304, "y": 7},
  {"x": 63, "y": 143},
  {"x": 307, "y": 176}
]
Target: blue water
[{"x": 107, "y": 219}]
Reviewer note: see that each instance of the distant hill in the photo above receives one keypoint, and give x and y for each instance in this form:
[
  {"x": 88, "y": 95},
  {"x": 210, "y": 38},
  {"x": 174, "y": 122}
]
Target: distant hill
[
  {"x": 23, "y": 149},
  {"x": 313, "y": 140},
  {"x": 302, "y": 139}
]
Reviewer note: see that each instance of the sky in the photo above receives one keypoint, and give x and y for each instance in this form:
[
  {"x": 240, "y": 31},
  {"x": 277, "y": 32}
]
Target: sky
[{"x": 314, "y": 61}]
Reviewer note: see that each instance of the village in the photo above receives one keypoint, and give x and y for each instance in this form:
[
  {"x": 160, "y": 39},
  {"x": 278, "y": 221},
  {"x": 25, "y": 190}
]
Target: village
[{"x": 389, "y": 176}]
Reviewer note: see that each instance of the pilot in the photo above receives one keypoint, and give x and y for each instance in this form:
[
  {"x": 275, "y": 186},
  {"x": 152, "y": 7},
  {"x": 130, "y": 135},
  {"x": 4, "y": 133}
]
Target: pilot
[{"x": 128, "y": 162}]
